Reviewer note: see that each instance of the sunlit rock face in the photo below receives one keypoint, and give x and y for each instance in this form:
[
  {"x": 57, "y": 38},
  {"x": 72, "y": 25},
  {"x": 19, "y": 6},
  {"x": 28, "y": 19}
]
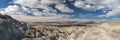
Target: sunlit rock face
[
  {"x": 11, "y": 29},
  {"x": 96, "y": 31}
]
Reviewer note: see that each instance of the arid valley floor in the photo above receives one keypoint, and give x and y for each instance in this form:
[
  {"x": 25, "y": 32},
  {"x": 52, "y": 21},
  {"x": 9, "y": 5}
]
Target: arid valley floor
[{"x": 95, "y": 31}]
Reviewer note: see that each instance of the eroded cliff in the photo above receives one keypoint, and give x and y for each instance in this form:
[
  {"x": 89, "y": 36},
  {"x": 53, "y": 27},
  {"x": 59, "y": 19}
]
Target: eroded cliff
[{"x": 98, "y": 31}]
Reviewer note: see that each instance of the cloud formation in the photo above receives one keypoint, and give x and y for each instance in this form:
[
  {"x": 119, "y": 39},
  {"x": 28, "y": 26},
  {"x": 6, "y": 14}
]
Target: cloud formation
[
  {"x": 115, "y": 12},
  {"x": 100, "y": 4},
  {"x": 13, "y": 9},
  {"x": 64, "y": 8},
  {"x": 44, "y": 4},
  {"x": 33, "y": 7},
  {"x": 49, "y": 8}
]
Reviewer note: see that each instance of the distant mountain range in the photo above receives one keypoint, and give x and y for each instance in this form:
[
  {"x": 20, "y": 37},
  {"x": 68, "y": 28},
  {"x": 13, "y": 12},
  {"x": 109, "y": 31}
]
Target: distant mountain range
[{"x": 66, "y": 23}]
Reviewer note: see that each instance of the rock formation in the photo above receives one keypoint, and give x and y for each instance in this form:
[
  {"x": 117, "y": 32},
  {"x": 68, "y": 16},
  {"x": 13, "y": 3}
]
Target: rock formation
[
  {"x": 99, "y": 31},
  {"x": 11, "y": 29}
]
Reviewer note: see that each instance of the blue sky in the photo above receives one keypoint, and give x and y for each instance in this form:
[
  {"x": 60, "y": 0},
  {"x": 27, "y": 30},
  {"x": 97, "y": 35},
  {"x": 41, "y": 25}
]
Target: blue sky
[
  {"x": 63, "y": 9},
  {"x": 4, "y": 3}
]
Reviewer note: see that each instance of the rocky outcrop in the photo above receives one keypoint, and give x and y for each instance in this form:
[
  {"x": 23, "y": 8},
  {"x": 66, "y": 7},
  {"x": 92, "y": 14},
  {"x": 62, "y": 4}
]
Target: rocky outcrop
[
  {"x": 101, "y": 31},
  {"x": 11, "y": 29},
  {"x": 42, "y": 32}
]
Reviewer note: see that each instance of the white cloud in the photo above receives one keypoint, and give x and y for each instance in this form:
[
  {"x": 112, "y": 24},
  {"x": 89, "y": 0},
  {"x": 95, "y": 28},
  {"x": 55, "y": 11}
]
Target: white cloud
[
  {"x": 52, "y": 1},
  {"x": 97, "y": 4},
  {"x": 100, "y": 4},
  {"x": 114, "y": 5},
  {"x": 43, "y": 4},
  {"x": 115, "y": 12},
  {"x": 64, "y": 8},
  {"x": 46, "y": 15},
  {"x": 29, "y": 3},
  {"x": 31, "y": 6},
  {"x": 45, "y": 19},
  {"x": 86, "y": 4},
  {"x": 80, "y": 4},
  {"x": 13, "y": 9}
]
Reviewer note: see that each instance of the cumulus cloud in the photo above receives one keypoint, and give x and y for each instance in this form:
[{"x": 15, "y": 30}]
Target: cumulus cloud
[
  {"x": 42, "y": 8},
  {"x": 13, "y": 9},
  {"x": 20, "y": 13},
  {"x": 43, "y": 4},
  {"x": 29, "y": 3},
  {"x": 64, "y": 8},
  {"x": 87, "y": 4},
  {"x": 99, "y": 4},
  {"x": 115, "y": 12},
  {"x": 83, "y": 4},
  {"x": 30, "y": 10}
]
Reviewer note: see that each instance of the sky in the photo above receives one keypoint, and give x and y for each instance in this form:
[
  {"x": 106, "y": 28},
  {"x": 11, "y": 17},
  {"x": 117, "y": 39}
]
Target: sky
[{"x": 61, "y": 10}]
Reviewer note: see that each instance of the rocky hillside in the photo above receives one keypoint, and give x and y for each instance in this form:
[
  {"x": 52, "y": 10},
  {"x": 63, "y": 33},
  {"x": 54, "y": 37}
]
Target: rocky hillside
[
  {"x": 11, "y": 29},
  {"x": 98, "y": 31}
]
